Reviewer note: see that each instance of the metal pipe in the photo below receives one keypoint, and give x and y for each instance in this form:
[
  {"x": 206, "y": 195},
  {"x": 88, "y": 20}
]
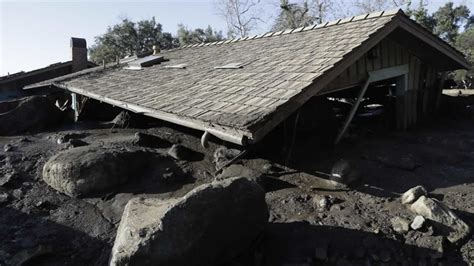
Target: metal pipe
[{"x": 205, "y": 139}]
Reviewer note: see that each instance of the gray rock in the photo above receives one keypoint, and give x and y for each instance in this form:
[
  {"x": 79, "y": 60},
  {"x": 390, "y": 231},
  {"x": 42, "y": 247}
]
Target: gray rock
[
  {"x": 4, "y": 197},
  {"x": 322, "y": 202},
  {"x": 344, "y": 173},
  {"x": 179, "y": 152},
  {"x": 446, "y": 220},
  {"x": 400, "y": 225},
  {"x": 413, "y": 194},
  {"x": 7, "y": 147},
  {"x": 17, "y": 193},
  {"x": 187, "y": 230},
  {"x": 418, "y": 222},
  {"x": 89, "y": 169}
]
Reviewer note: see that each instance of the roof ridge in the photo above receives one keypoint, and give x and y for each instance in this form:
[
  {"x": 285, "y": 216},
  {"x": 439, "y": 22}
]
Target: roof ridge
[{"x": 372, "y": 15}]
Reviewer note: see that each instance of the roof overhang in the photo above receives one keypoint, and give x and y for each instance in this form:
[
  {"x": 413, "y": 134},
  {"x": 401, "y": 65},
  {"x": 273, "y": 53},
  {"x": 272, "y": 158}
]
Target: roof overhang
[{"x": 236, "y": 136}]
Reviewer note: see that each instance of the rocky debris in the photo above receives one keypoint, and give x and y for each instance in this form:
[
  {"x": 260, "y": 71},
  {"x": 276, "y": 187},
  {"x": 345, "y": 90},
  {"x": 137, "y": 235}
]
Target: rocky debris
[
  {"x": 343, "y": 173},
  {"x": 417, "y": 223},
  {"x": 122, "y": 120},
  {"x": 236, "y": 170},
  {"x": 413, "y": 194},
  {"x": 400, "y": 225},
  {"x": 446, "y": 220},
  {"x": 30, "y": 114},
  {"x": 222, "y": 155},
  {"x": 6, "y": 178},
  {"x": 84, "y": 170},
  {"x": 147, "y": 140},
  {"x": 7, "y": 147},
  {"x": 186, "y": 231}
]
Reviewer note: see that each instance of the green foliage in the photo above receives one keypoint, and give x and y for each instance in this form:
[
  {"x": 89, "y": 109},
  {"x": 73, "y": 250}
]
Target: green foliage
[
  {"x": 189, "y": 36},
  {"x": 420, "y": 15},
  {"x": 128, "y": 38},
  {"x": 465, "y": 43},
  {"x": 449, "y": 19}
]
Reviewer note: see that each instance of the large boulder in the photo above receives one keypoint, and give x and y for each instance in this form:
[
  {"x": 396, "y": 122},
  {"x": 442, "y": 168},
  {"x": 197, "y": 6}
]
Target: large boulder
[
  {"x": 29, "y": 114},
  {"x": 90, "y": 169},
  {"x": 446, "y": 220},
  {"x": 210, "y": 225}
]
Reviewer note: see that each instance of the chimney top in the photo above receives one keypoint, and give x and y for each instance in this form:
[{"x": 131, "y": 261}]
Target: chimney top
[{"x": 78, "y": 42}]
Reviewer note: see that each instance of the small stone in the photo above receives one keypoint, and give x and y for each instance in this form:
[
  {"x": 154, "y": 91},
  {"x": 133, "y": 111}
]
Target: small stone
[
  {"x": 179, "y": 152},
  {"x": 324, "y": 203},
  {"x": 400, "y": 225},
  {"x": 18, "y": 193},
  {"x": 4, "y": 197},
  {"x": 336, "y": 207},
  {"x": 7, "y": 147},
  {"x": 417, "y": 222},
  {"x": 413, "y": 194}
]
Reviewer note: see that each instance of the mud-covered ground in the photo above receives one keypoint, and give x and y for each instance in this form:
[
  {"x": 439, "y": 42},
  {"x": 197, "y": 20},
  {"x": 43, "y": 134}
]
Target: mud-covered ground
[{"x": 40, "y": 226}]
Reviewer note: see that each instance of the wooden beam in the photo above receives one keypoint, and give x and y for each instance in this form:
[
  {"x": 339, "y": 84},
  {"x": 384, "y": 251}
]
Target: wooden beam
[
  {"x": 374, "y": 76},
  {"x": 353, "y": 110}
]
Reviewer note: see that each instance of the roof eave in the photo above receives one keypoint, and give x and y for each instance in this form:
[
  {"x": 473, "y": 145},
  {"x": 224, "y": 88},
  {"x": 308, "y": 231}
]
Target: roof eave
[
  {"x": 417, "y": 30},
  {"x": 233, "y": 135}
]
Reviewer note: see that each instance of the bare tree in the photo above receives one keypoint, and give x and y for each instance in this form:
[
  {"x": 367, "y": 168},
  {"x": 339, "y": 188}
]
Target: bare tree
[
  {"x": 322, "y": 10},
  {"x": 241, "y": 16},
  {"x": 367, "y": 6}
]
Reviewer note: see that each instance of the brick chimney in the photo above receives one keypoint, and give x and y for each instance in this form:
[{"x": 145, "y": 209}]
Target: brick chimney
[{"x": 79, "y": 54}]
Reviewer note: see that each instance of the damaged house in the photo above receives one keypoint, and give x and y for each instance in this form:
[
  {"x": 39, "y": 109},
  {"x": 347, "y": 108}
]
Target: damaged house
[{"x": 240, "y": 90}]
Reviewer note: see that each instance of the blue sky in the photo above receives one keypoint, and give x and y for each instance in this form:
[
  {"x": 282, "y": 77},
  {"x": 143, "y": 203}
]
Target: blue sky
[{"x": 36, "y": 33}]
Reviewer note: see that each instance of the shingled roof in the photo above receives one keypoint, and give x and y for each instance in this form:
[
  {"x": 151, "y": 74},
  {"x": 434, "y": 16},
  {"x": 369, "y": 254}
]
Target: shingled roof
[{"x": 273, "y": 75}]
